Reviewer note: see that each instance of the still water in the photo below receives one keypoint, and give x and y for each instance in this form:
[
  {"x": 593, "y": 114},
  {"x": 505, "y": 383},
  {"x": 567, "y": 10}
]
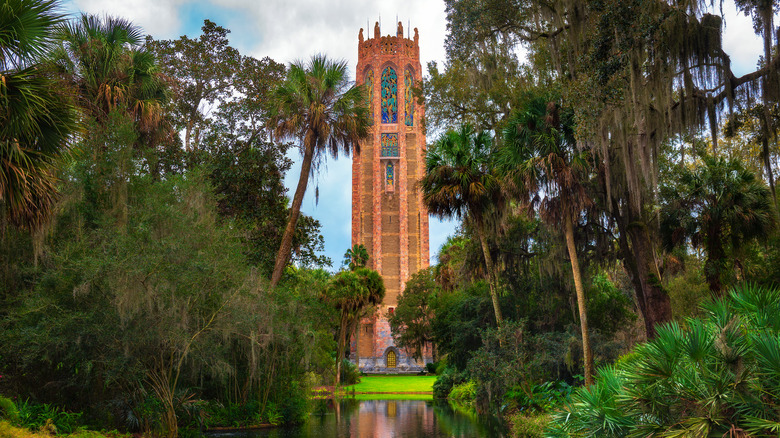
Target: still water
[{"x": 382, "y": 419}]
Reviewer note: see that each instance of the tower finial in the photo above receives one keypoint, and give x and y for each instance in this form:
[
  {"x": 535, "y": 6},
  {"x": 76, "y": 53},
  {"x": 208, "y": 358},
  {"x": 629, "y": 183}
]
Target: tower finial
[
  {"x": 360, "y": 36},
  {"x": 400, "y": 32},
  {"x": 376, "y": 30}
]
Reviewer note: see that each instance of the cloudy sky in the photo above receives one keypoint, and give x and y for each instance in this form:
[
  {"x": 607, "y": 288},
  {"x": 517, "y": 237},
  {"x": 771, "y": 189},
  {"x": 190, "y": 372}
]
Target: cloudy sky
[{"x": 287, "y": 30}]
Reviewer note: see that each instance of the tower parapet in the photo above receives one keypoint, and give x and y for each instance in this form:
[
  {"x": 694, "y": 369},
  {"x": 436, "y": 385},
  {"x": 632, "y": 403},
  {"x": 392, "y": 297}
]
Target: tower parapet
[{"x": 389, "y": 45}]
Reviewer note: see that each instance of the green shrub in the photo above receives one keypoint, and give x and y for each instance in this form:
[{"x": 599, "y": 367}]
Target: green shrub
[
  {"x": 37, "y": 416},
  {"x": 445, "y": 381},
  {"x": 8, "y": 410},
  {"x": 541, "y": 398},
  {"x": 714, "y": 376},
  {"x": 528, "y": 426},
  {"x": 294, "y": 407},
  {"x": 430, "y": 367},
  {"x": 350, "y": 374},
  {"x": 464, "y": 394},
  {"x": 687, "y": 292}
]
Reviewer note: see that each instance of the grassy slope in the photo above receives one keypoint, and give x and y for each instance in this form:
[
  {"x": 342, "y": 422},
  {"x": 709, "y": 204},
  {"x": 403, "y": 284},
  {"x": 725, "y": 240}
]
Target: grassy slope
[
  {"x": 393, "y": 384},
  {"x": 9, "y": 431}
]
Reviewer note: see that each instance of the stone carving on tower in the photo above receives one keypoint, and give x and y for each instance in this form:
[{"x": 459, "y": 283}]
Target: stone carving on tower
[{"x": 388, "y": 215}]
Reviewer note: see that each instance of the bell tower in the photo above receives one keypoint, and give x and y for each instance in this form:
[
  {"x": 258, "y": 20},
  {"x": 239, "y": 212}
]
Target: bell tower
[{"x": 388, "y": 215}]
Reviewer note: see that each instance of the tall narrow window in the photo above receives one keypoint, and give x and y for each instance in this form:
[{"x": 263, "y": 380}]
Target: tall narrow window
[
  {"x": 369, "y": 83},
  {"x": 408, "y": 97},
  {"x": 389, "y": 175},
  {"x": 391, "y": 359},
  {"x": 389, "y": 96}
]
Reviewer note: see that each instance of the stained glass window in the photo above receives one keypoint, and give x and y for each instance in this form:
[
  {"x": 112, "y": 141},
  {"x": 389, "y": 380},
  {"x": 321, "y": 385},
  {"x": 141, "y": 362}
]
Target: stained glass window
[
  {"x": 391, "y": 359},
  {"x": 408, "y": 98},
  {"x": 370, "y": 94},
  {"x": 389, "y": 96},
  {"x": 389, "y": 145},
  {"x": 389, "y": 175}
]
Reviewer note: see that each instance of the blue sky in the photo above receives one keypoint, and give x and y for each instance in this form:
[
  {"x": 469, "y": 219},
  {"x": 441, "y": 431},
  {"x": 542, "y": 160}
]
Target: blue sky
[{"x": 287, "y": 30}]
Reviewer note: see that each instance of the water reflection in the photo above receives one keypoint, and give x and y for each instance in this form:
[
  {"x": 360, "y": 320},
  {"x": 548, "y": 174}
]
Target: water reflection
[{"x": 382, "y": 419}]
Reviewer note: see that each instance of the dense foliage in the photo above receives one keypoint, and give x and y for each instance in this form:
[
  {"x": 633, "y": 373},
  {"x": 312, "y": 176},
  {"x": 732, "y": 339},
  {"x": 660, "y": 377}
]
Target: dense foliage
[{"x": 711, "y": 376}]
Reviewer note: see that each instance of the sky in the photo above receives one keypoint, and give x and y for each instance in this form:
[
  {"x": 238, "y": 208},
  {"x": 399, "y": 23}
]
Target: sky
[{"x": 290, "y": 30}]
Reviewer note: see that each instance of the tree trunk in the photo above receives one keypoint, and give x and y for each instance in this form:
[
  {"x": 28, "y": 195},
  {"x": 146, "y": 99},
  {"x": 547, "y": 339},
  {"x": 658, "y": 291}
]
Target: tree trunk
[
  {"x": 766, "y": 123},
  {"x": 636, "y": 253},
  {"x": 340, "y": 347},
  {"x": 714, "y": 263},
  {"x": 575, "y": 270},
  {"x": 283, "y": 256},
  {"x": 489, "y": 267}
]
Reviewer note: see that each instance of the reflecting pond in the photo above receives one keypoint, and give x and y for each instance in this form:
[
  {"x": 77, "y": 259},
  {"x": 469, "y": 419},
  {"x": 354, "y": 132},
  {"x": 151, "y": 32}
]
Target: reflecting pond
[{"x": 381, "y": 419}]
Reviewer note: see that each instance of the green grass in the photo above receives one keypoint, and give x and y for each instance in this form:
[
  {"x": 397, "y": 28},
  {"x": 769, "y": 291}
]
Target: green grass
[
  {"x": 393, "y": 384},
  {"x": 391, "y": 396}
]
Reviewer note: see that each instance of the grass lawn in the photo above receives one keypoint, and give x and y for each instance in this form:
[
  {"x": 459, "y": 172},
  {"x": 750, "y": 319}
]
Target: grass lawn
[
  {"x": 393, "y": 384},
  {"x": 391, "y": 396}
]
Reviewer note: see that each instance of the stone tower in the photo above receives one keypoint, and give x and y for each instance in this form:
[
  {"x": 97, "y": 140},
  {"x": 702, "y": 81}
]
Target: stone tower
[{"x": 388, "y": 215}]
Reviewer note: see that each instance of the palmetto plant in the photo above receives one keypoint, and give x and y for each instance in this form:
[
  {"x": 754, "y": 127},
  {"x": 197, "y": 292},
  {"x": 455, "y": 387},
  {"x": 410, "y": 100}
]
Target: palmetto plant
[
  {"x": 718, "y": 376},
  {"x": 36, "y": 115}
]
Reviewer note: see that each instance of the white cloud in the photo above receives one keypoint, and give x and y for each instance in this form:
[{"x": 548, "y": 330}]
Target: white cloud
[
  {"x": 740, "y": 41},
  {"x": 161, "y": 18}
]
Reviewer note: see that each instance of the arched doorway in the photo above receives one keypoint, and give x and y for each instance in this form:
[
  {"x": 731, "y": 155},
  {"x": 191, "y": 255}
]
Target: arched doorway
[{"x": 391, "y": 359}]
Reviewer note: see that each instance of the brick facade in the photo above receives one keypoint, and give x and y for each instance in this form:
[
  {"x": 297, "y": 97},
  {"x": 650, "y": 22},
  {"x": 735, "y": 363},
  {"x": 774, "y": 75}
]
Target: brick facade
[{"x": 388, "y": 215}]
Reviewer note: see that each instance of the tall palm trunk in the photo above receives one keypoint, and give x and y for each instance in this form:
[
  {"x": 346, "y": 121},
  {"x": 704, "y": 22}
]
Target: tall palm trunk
[
  {"x": 341, "y": 345},
  {"x": 283, "y": 256},
  {"x": 491, "y": 278},
  {"x": 575, "y": 270}
]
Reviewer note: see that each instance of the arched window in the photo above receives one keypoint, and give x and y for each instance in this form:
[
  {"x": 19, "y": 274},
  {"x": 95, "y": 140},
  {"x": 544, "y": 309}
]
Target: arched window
[
  {"x": 389, "y": 96},
  {"x": 408, "y": 97},
  {"x": 369, "y": 83},
  {"x": 391, "y": 359}
]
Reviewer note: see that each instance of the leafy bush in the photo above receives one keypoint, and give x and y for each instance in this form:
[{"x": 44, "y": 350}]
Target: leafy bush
[
  {"x": 540, "y": 398},
  {"x": 8, "y": 410},
  {"x": 715, "y": 376},
  {"x": 350, "y": 374},
  {"x": 45, "y": 416},
  {"x": 430, "y": 367},
  {"x": 609, "y": 308},
  {"x": 464, "y": 394},
  {"x": 294, "y": 407},
  {"x": 445, "y": 381},
  {"x": 528, "y": 426}
]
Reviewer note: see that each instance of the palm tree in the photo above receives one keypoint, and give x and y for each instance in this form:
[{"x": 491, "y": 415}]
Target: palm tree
[
  {"x": 461, "y": 181},
  {"x": 105, "y": 59},
  {"x": 719, "y": 205},
  {"x": 36, "y": 116},
  {"x": 317, "y": 106},
  {"x": 356, "y": 257},
  {"x": 352, "y": 292},
  {"x": 541, "y": 161}
]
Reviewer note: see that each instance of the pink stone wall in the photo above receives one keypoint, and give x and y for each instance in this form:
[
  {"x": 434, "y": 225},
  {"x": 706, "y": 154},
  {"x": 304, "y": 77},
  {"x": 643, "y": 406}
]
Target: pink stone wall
[{"x": 373, "y": 207}]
